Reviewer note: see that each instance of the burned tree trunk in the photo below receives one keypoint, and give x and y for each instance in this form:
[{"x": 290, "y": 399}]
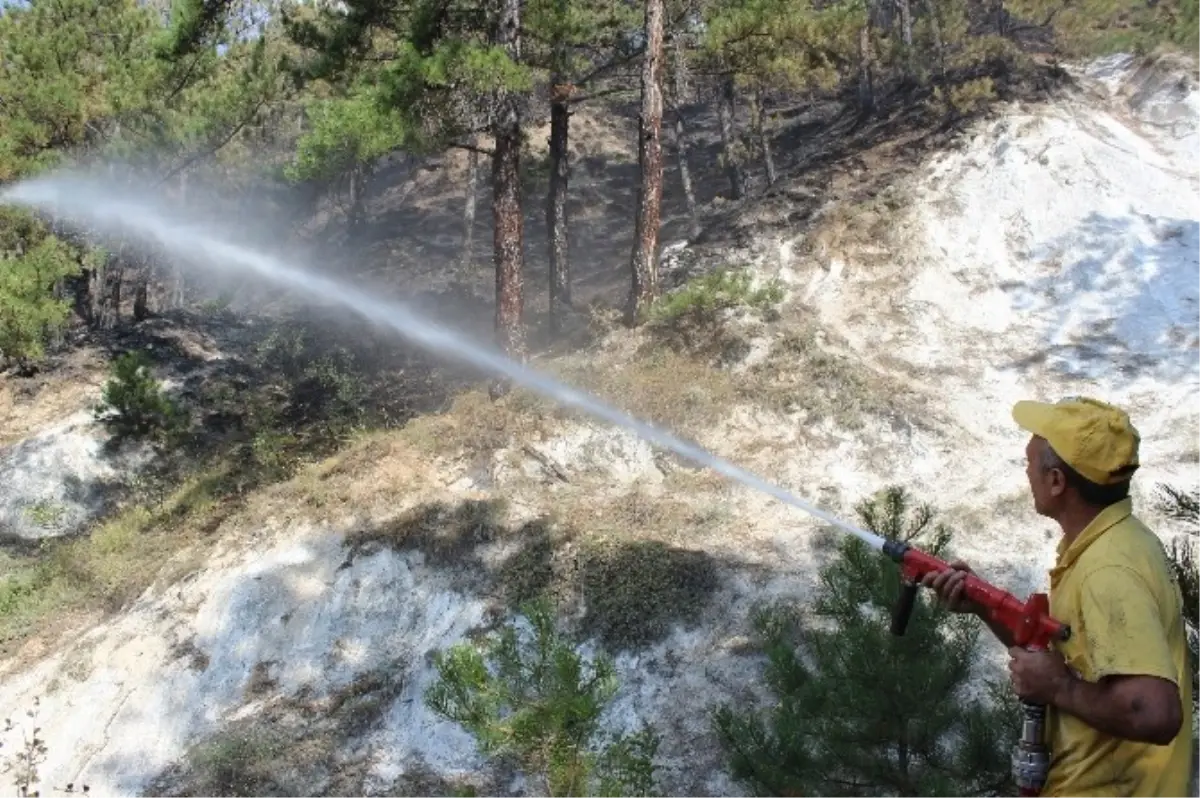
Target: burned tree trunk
[
  {"x": 935, "y": 28},
  {"x": 141, "y": 291},
  {"x": 556, "y": 203},
  {"x": 681, "y": 138},
  {"x": 866, "y": 77},
  {"x": 729, "y": 144},
  {"x": 759, "y": 113},
  {"x": 644, "y": 288},
  {"x": 178, "y": 290},
  {"x": 508, "y": 244}
]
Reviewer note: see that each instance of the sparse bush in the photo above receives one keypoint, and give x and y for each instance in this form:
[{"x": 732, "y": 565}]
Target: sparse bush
[
  {"x": 859, "y": 711},
  {"x": 133, "y": 403},
  {"x": 532, "y": 700},
  {"x": 26, "y": 759},
  {"x": 24, "y": 762},
  {"x": 964, "y": 99}
]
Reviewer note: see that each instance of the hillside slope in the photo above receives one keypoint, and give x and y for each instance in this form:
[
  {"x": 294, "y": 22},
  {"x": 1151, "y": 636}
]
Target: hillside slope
[{"x": 1053, "y": 251}]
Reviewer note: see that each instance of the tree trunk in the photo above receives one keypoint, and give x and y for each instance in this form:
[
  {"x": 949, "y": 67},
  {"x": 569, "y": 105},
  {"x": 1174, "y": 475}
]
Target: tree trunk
[
  {"x": 866, "y": 80},
  {"x": 97, "y": 281},
  {"x": 759, "y": 113},
  {"x": 729, "y": 145},
  {"x": 178, "y": 289},
  {"x": 939, "y": 46},
  {"x": 141, "y": 290},
  {"x": 556, "y": 203},
  {"x": 644, "y": 288},
  {"x": 681, "y": 139},
  {"x": 110, "y": 311},
  {"x": 357, "y": 209},
  {"x": 906, "y": 36},
  {"x": 468, "y": 250},
  {"x": 508, "y": 245}
]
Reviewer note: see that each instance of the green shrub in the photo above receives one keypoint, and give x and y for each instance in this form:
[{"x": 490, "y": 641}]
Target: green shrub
[
  {"x": 859, "y": 711},
  {"x": 534, "y": 702},
  {"x": 133, "y": 403},
  {"x": 705, "y": 298},
  {"x": 1185, "y": 507}
]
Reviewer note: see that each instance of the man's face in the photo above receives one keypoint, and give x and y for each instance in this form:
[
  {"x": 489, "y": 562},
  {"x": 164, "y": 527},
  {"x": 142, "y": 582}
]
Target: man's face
[{"x": 1046, "y": 486}]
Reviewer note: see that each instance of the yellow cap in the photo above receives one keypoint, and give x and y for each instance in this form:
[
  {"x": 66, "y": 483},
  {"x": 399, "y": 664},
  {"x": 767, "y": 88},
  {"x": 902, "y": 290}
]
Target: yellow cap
[{"x": 1095, "y": 438}]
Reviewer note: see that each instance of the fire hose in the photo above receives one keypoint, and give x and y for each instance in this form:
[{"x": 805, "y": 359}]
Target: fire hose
[{"x": 1031, "y": 627}]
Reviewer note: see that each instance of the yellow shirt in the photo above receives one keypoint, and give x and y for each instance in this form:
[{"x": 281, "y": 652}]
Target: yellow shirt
[{"x": 1114, "y": 586}]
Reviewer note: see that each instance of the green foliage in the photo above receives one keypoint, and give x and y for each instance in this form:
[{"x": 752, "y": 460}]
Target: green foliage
[
  {"x": 323, "y": 382},
  {"x": 703, "y": 299},
  {"x": 859, "y": 711},
  {"x": 779, "y": 44},
  {"x": 32, "y": 265},
  {"x": 1184, "y": 506},
  {"x": 534, "y": 701},
  {"x": 133, "y": 403},
  {"x": 344, "y": 131}
]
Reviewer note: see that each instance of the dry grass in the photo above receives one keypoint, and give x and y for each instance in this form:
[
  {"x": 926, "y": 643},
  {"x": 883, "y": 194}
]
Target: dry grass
[
  {"x": 28, "y": 406},
  {"x": 474, "y": 426},
  {"x": 659, "y": 386},
  {"x": 110, "y": 567},
  {"x": 803, "y": 374},
  {"x": 665, "y": 388}
]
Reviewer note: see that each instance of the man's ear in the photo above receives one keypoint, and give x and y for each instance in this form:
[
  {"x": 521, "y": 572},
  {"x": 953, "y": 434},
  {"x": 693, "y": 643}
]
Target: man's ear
[{"x": 1058, "y": 482}]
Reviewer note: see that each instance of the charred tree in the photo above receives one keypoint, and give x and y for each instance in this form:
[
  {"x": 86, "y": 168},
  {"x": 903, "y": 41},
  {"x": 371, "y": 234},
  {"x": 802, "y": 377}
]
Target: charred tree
[
  {"x": 729, "y": 142},
  {"x": 508, "y": 244},
  {"x": 141, "y": 290},
  {"x": 556, "y": 202},
  {"x": 866, "y": 74},
  {"x": 644, "y": 267},
  {"x": 759, "y": 116}
]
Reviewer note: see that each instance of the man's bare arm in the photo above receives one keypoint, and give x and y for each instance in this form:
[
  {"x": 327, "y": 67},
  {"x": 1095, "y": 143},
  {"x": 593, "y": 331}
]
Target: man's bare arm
[{"x": 1145, "y": 709}]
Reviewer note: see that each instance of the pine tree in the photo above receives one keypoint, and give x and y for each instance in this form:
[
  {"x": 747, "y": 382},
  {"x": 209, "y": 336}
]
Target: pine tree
[
  {"x": 765, "y": 48},
  {"x": 859, "y": 711},
  {"x": 648, "y": 215},
  {"x": 1184, "y": 506},
  {"x": 576, "y": 44},
  {"x": 531, "y": 699}
]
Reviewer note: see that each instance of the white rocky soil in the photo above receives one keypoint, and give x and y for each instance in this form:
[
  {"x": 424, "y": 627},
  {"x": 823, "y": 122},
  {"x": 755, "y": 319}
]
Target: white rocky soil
[{"x": 1053, "y": 253}]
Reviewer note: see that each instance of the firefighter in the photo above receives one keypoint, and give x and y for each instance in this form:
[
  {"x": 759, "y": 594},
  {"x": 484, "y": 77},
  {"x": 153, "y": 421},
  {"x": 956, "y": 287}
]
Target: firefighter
[{"x": 1118, "y": 693}]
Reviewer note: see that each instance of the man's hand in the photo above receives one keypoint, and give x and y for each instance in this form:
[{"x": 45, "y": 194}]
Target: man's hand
[
  {"x": 1040, "y": 677},
  {"x": 948, "y": 586}
]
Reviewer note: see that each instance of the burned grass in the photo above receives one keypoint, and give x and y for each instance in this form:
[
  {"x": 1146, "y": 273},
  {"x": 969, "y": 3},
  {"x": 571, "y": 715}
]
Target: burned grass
[
  {"x": 634, "y": 591},
  {"x": 615, "y": 565},
  {"x": 293, "y": 746}
]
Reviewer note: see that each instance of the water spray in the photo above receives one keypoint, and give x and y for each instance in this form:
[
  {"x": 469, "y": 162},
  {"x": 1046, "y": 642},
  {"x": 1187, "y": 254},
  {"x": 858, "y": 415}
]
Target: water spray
[{"x": 101, "y": 208}]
